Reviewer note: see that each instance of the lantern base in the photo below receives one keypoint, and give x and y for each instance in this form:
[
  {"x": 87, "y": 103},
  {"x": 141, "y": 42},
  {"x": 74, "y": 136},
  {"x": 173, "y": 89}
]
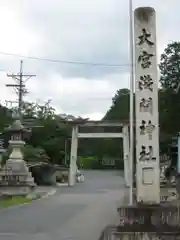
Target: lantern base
[{"x": 15, "y": 178}]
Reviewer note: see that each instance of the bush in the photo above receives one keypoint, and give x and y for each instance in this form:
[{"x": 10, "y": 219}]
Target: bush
[
  {"x": 87, "y": 162},
  {"x": 92, "y": 162},
  {"x": 30, "y": 154}
]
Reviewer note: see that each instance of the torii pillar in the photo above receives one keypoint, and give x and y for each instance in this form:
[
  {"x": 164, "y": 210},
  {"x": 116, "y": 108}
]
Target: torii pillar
[
  {"x": 73, "y": 156},
  {"x": 125, "y": 131}
]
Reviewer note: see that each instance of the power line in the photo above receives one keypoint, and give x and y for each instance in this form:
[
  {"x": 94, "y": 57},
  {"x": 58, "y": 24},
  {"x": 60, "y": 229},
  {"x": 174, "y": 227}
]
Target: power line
[
  {"x": 20, "y": 86},
  {"x": 65, "y": 62}
]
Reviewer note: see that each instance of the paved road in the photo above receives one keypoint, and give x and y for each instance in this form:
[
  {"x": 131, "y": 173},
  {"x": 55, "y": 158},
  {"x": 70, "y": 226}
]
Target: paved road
[{"x": 77, "y": 213}]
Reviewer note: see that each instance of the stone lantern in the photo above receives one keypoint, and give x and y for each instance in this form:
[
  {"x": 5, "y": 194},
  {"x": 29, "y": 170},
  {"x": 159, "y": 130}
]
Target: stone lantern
[{"x": 15, "y": 177}]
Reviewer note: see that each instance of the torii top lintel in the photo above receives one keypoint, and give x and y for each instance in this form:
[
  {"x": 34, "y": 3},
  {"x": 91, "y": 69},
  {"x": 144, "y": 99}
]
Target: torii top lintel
[{"x": 87, "y": 123}]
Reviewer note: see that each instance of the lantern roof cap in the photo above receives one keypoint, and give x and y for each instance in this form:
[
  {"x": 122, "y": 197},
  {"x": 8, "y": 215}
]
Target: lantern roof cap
[{"x": 16, "y": 126}]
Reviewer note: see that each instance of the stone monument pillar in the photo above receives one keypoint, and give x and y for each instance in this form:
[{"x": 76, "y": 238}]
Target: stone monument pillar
[
  {"x": 15, "y": 178},
  {"x": 147, "y": 217},
  {"x": 146, "y": 94}
]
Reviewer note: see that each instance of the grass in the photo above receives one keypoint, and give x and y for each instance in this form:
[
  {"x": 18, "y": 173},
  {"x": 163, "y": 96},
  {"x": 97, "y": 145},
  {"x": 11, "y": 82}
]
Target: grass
[{"x": 12, "y": 201}]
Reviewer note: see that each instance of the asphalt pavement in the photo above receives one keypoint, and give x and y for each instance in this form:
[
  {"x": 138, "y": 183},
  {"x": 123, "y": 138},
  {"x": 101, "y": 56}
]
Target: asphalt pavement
[{"x": 73, "y": 213}]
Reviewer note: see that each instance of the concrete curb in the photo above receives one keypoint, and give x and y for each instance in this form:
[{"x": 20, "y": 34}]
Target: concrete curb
[
  {"x": 62, "y": 184},
  {"x": 50, "y": 193}
]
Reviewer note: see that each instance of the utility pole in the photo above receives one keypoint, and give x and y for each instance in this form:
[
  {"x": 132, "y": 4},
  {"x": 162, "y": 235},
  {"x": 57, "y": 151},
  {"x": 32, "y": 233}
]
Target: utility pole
[
  {"x": 131, "y": 115},
  {"x": 20, "y": 86}
]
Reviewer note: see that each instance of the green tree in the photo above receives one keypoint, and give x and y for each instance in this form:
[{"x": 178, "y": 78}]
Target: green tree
[
  {"x": 170, "y": 66},
  {"x": 51, "y": 133},
  {"x": 38, "y": 111},
  {"x": 32, "y": 154},
  {"x": 120, "y": 106},
  {"x": 170, "y": 96},
  {"x": 5, "y": 117},
  {"x": 119, "y": 111}
]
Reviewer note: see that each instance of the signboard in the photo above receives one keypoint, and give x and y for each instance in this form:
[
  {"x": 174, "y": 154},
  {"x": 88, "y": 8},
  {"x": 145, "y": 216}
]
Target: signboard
[{"x": 146, "y": 95}]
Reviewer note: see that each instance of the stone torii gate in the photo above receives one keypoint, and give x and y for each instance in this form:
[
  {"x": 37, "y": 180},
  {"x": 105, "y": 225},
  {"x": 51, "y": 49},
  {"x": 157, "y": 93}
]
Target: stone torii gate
[{"x": 76, "y": 134}]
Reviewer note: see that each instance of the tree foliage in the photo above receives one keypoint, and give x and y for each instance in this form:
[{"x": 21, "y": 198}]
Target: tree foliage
[
  {"x": 170, "y": 66},
  {"x": 120, "y": 106},
  {"x": 170, "y": 94},
  {"x": 32, "y": 154},
  {"x": 48, "y": 133}
]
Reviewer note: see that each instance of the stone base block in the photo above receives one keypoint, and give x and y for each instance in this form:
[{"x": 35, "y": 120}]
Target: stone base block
[
  {"x": 167, "y": 194},
  {"x": 149, "y": 215},
  {"x": 15, "y": 190}
]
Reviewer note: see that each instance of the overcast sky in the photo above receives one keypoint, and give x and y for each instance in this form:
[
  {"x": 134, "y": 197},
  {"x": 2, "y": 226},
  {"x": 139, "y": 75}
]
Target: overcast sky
[{"x": 75, "y": 30}]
